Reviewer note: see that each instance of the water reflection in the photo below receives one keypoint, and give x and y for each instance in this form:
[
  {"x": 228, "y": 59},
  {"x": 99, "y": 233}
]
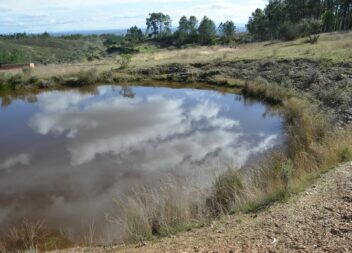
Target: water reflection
[{"x": 66, "y": 154}]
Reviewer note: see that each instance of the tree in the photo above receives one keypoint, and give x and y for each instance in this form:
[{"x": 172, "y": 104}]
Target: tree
[
  {"x": 227, "y": 30},
  {"x": 334, "y": 14},
  {"x": 258, "y": 25},
  {"x": 192, "y": 25},
  {"x": 187, "y": 30},
  {"x": 181, "y": 34},
  {"x": 134, "y": 34},
  {"x": 45, "y": 35},
  {"x": 159, "y": 24},
  {"x": 328, "y": 19},
  {"x": 275, "y": 18},
  {"x": 206, "y": 31}
]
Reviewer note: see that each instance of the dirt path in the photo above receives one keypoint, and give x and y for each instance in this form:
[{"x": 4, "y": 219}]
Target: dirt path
[{"x": 317, "y": 220}]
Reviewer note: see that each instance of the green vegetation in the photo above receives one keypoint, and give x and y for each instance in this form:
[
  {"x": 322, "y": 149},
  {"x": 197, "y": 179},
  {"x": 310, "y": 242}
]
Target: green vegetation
[
  {"x": 134, "y": 35},
  {"x": 159, "y": 24},
  {"x": 284, "y": 19},
  {"x": 45, "y": 50}
]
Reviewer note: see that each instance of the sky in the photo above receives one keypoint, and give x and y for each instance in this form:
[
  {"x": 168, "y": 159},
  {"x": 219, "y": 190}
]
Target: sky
[{"x": 36, "y": 16}]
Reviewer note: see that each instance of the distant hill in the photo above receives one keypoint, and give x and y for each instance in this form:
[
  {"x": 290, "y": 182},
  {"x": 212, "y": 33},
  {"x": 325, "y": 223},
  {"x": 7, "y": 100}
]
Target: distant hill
[
  {"x": 240, "y": 28},
  {"x": 91, "y": 32}
]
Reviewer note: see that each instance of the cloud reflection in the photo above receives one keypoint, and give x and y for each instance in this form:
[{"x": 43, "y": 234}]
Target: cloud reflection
[
  {"x": 121, "y": 126},
  {"x": 86, "y": 150}
]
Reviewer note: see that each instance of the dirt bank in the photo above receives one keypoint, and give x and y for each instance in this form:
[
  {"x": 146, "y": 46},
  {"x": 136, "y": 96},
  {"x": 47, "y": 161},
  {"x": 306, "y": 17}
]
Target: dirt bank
[
  {"x": 316, "y": 220},
  {"x": 329, "y": 84}
]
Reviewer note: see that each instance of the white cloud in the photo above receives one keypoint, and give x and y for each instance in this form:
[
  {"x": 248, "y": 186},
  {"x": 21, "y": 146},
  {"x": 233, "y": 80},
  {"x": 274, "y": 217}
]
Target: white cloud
[
  {"x": 12, "y": 161},
  {"x": 55, "y": 15}
]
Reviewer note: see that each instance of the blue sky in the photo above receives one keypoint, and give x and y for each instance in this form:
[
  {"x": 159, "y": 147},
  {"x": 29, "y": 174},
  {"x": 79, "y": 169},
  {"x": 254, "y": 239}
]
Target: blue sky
[{"x": 71, "y": 15}]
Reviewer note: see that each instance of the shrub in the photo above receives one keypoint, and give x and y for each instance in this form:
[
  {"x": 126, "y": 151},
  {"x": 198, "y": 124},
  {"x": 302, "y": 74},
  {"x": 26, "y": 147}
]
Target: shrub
[
  {"x": 345, "y": 154},
  {"x": 27, "y": 71},
  {"x": 34, "y": 80},
  {"x": 289, "y": 31},
  {"x": 311, "y": 28},
  {"x": 124, "y": 60},
  {"x": 2, "y": 78},
  {"x": 83, "y": 78},
  {"x": 15, "y": 80},
  {"x": 313, "y": 39}
]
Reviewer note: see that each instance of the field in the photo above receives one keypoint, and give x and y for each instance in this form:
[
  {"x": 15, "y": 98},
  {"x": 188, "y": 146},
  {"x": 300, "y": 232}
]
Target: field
[{"x": 49, "y": 50}]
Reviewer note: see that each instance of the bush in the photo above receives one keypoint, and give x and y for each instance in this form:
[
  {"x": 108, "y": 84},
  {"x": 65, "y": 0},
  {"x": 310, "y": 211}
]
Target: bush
[
  {"x": 27, "y": 71},
  {"x": 2, "y": 78},
  {"x": 345, "y": 154},
  {"x": 82, "y": 79},
  {"x": 124, "y": 60},
  {"x": 15, "y": 80},
  {"x": 33, "y": 80},
  {"x": 289, "y": 31},
  {"x": 313, "y": 39},
  {"x": 311, "y": 28}
]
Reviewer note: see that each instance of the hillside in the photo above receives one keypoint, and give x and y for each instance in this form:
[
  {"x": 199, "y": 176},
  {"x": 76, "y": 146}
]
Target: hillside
[{"x": 48, "y": 50}]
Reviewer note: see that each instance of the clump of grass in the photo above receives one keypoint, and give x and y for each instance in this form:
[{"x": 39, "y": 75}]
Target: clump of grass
[
  {"x": 83, "y": 78},
  {"x": 161, "y": 211},
  {"x": 230, "y": 191},
  {"x": 32, "y": 237},
  {"x": 14, "y": 80},
  {"x": 27, "y": 71},
  {"x": 345, "y": 154},
  {"x": 124, "y": 60},
  {"x": 2, "y": 78},
  {"x": 264, "y": 91}
]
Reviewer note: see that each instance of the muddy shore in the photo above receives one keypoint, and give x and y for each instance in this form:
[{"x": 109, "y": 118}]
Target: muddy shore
[{"x": 328, "y": 84}]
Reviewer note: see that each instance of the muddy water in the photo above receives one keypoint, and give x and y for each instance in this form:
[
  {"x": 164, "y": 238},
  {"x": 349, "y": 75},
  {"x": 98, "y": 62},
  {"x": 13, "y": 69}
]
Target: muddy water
[{"x": 66, "y": 155}]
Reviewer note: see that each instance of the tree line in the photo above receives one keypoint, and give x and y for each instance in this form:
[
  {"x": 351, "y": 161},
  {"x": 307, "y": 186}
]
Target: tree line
[
  {"x": 289, "y": 19},
  {"x": 189, "y": 30}
]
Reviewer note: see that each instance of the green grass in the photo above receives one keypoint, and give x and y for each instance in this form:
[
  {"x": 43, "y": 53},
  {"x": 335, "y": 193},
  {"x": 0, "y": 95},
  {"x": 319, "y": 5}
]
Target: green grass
[{"x": 48, "y": 50}]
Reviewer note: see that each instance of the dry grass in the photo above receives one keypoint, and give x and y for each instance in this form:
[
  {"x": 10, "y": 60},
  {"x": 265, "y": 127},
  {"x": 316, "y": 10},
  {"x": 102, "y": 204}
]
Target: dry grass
[
  {"x": 313, "y": 147},
  {"x": 331, "y": 46},
  {"x": 33, "y": 237},
  {"x": 161, "y": 211}
]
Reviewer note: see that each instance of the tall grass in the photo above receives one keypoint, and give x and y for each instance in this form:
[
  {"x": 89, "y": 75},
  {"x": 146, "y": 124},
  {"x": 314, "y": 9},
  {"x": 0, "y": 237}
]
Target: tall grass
[
  {"x": 29, "y": 236},
  {"x": 160, "y": 211},
  {"x": 313, "y": 147}
]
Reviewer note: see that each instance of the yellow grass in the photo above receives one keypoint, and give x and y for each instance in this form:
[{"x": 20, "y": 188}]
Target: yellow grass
[{"x": 336, "y": 47}]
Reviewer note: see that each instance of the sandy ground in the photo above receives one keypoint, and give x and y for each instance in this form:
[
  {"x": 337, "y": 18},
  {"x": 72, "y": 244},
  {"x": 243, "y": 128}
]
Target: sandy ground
[{"x": 316, "y": 220}]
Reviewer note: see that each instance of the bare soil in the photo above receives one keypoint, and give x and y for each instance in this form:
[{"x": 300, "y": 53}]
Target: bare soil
[{"x": 328, "y": 84}]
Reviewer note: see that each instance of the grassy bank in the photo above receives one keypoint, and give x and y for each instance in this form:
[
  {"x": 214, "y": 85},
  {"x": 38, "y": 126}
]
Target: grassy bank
[{"x": 313, "y": 147}]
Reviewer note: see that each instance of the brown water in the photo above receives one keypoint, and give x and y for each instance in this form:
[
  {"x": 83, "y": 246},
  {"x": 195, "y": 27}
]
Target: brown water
[{"x": 66, "y": 155}]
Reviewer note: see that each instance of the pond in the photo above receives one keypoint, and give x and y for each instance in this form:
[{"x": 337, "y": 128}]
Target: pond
[{"x": 65, "y": 156}]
